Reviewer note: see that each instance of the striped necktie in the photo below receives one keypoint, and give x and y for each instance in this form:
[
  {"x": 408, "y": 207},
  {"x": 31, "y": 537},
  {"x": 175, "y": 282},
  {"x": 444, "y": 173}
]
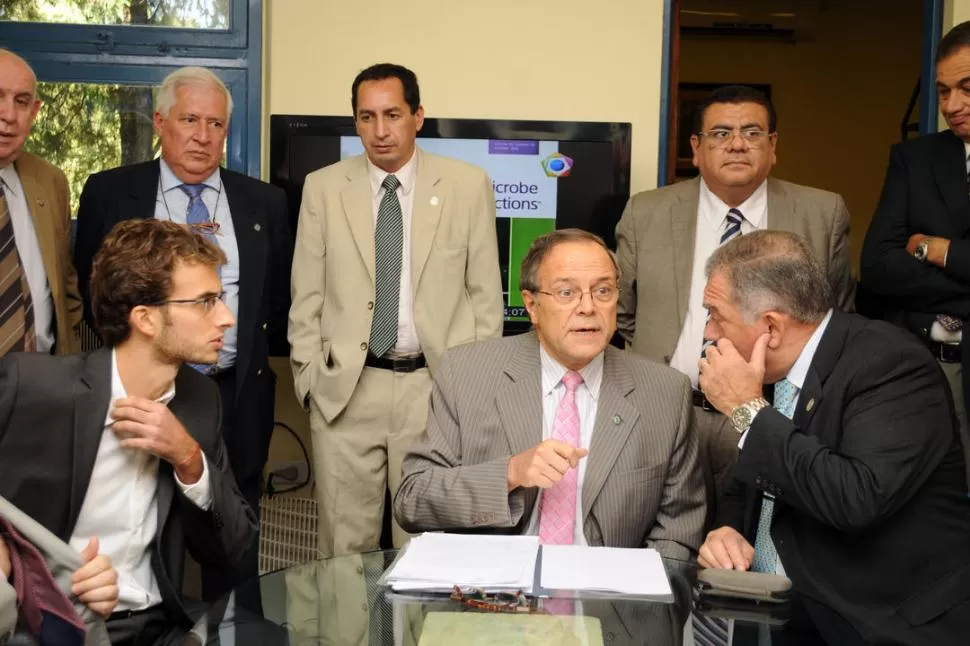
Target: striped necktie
[
  {"x": 17, "y": 332},
  {"x": 732, "y": 229},
  {"x": 388, "y": 254}
]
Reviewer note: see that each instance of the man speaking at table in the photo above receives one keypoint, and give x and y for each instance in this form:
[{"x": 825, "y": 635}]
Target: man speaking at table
[
  {"x": 853, "y": 483},
  {"x": 555, "y": 432}
]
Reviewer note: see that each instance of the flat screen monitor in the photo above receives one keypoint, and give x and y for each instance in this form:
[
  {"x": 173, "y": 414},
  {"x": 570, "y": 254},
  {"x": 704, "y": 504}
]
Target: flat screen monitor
[{"x": 545, "y": 175}]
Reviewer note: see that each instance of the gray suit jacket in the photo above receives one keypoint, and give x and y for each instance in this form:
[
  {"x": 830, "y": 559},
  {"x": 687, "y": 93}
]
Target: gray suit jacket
[
  {"x": 455, "y": 278},
  {"x": 655, "y": 248},
  {"x": 62, "y": 561},
  {"x": 8, "y": 610},
  {"x": 643, "y": 484}
]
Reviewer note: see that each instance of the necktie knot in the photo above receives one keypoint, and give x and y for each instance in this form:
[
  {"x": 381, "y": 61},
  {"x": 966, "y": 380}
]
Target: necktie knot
[
  {"x": 734, "y": 218},
  {"x": 571, "y": 381},
  {"x": 192, "y": 190},
  {"x": 390, "y": 183}
]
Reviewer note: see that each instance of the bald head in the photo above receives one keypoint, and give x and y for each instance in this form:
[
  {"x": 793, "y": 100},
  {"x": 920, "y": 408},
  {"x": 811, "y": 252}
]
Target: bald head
[{"x": 18, "y": 105}]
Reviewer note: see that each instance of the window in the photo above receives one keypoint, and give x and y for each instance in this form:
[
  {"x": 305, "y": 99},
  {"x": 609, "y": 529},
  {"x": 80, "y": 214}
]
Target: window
[{"x": 98, "y": 62}]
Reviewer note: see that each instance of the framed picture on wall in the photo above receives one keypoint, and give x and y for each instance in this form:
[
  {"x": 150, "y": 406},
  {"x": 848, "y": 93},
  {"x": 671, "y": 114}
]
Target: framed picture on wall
[{"x": 689, "y": 96}]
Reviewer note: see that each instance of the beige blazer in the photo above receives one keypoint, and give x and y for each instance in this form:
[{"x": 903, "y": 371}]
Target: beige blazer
[
  {"x": 8, "y": 609},
  {"x": 454, "y": 272},
  {"x": 48, "y": 199},
  {"x": 655, "y": 248},
  {"x": 643, "y": 484}
]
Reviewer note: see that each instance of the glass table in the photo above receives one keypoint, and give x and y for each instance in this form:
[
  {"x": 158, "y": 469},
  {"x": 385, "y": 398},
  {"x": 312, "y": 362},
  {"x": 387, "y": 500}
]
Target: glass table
[{"x": 340, "y": 601}]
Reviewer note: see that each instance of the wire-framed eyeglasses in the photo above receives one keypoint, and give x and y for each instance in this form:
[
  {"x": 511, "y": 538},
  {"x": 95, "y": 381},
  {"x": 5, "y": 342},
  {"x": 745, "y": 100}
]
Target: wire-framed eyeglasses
[
  {"x": 206, "y": 302},
  {"x": 571, "y": 296},
  {"x": 720, "y": 137}
]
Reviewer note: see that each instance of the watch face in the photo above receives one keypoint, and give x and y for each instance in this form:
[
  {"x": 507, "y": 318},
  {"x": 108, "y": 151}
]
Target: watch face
[{"x": 741, "y": 418}]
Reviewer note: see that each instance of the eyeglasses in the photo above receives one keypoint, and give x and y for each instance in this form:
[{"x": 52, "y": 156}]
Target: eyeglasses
[
  {"x": 206, "y": 228},
  {"x": 570, "y": 296},
  {"x": 208, "y": 302},
  {"x": 721, "y": 137}
]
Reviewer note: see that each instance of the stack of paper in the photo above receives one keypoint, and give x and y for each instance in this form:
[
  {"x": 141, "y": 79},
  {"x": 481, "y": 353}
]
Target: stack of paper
[
  {"x": 438, "y": 562},
  {"x": 611, "y": 570}
]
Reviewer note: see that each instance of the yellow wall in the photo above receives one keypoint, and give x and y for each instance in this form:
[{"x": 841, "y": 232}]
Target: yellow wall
[
  {"x": 572, "y": 60},
  {"x": 840, "y": 98}
]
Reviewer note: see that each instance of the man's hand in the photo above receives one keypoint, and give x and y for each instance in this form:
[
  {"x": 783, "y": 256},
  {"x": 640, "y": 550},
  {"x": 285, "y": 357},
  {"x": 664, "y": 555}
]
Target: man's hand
[
  {"x": 725, "y": 549},
  {"x": 726, "y": 379},
  {"x": 150, "y": 426},
  {"x": 935, "y": 251},
  {"x": 543, "y": 465},
  {"x": 4, "y": 560},
  {"x": 95, "y": 583}
]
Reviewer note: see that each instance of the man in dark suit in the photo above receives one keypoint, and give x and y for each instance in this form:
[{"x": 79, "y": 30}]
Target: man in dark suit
[
  {"x": 248, "y": 220},
  {"x": 916, "y": 256},
  {"x": 853, "y": 483},
  {"x": 130, "y": 449}
]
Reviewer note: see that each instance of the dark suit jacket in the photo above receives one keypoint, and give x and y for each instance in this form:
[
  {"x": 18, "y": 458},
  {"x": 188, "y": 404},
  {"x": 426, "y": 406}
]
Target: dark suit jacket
[
  {"x": 871, "y": 516},
  {"x": 260, "y": 220},
  {"x": 52, "y": 413}
]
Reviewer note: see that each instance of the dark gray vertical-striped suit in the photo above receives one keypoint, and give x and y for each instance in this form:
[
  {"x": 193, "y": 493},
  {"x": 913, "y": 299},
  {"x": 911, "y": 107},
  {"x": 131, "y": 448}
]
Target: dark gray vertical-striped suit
[{"x": 643, "y": 484}]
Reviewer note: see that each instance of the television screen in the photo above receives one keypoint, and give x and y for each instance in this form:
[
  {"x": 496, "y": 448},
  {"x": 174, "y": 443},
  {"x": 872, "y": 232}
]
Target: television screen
[{"x": 545, "y": 175}]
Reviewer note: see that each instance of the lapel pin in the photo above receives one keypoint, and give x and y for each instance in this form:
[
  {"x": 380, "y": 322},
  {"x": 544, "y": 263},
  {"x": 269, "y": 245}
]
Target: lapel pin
[
  {"x": 617, "y": 419},
  {"x": 809, "y": 405},
  {"x": 434, "y": 201},
  {"x": 257, "y": 227},
  {"x": 40, "y": 202}
]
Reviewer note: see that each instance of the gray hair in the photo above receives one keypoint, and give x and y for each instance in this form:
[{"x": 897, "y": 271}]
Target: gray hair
[
  {"x": 773, "y": 270},
  {"x": 195, "y": 76},
  {"x": 541, "y": 246}
]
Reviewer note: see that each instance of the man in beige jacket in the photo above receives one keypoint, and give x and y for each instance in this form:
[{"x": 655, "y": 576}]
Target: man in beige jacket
[{"x": 396, "y": 260}]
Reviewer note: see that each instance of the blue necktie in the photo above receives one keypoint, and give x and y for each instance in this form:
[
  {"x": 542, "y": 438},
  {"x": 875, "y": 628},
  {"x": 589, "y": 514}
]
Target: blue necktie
[
  {"x": 765, "y": 556},
  {"x": 197, "y": 215}
]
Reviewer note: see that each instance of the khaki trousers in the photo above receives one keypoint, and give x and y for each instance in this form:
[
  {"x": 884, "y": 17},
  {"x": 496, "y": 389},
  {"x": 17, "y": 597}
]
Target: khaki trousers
[{"x": 359, "y": 455}]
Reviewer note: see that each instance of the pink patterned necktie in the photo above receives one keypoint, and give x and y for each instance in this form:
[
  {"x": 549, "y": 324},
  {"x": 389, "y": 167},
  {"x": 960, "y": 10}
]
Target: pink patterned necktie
[{"x": 557, "y": 510}]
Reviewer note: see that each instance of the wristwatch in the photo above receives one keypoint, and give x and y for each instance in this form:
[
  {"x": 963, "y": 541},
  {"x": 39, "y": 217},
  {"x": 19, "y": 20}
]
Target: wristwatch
[
  {"x": 743, "y": 415},
  {"x": 921, "y": 250}
]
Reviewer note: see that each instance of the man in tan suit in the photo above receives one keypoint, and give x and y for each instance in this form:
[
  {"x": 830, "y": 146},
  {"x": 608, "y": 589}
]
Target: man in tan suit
[
  {"x": 666, "y": 235},
  {"x": 40, "y": 307},
  {"x": 555, "y": 432},
  {"x": 396, "y": 260}
]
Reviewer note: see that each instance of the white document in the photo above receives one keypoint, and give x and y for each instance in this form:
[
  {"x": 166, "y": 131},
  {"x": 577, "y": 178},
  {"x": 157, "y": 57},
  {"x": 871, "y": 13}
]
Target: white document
[
  {"x": 437, "y": 562},
  {"x": 613, "y": 570}
]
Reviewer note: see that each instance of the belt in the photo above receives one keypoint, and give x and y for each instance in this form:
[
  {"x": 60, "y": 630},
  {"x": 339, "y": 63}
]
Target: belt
[
  {"x": 128, "y": 614},
  {"x": 701, "y": 401},
  {"x": 946, "y": 352},
  {"x": 398, "y": 364}
]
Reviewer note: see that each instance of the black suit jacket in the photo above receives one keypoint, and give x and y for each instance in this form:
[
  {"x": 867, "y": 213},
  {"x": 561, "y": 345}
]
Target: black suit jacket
[
  {"x": 871, "y": 518},
  {"x": 260, "y": 220},
  {"x": 52, "y": 414}
]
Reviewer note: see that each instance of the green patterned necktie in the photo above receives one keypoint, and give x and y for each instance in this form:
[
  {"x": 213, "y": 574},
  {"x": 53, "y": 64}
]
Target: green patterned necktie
[{"x": 388, "y": 254}]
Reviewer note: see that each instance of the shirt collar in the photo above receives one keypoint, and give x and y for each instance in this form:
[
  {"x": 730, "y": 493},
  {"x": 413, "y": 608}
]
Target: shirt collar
[
  {"x": 553, "y": 372},
  {"x": 10, "y": 180},
  {"x": 799, "y": 370},
  {"x": 405, "y": 174},
  {"x": 118, "y": 389},
  {"x": 753, "y": 209},
  {"x": 170, "y": 181},
  {"x": 966, "y": 153}
]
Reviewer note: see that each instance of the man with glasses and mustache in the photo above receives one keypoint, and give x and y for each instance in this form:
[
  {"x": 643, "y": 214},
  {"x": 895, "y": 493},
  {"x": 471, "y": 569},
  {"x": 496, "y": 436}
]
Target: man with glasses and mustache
[
  {"x": 666, "y": 235},
  {"x": 555, "y": 432}
]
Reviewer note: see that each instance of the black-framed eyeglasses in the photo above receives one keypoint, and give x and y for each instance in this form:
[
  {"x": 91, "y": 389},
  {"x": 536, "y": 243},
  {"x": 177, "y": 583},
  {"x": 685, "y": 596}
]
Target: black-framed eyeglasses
[
  {"x": 570, "y": 296},
  {"x": 208, "y": 302}
]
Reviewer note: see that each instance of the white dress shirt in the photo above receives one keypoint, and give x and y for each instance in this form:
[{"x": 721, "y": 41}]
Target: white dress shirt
[
  {"x": 31, "y": 259},
  {"x": 587, "y": 398},
  {"x": 120, "y": 507},
  {"x": 407, "y": 334},
  {"x": 796, "y": 375},
  {"x": 711, "y": 225},
  {"x": 171, "y": 203}
]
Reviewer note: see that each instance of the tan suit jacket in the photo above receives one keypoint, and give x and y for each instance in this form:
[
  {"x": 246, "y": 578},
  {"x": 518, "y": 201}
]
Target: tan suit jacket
[
  {"x": 655, "y": 248},
  {"x": 48, "y": 200},
  {"x": 643, "y": 485},
  {"x": 454, "y": 271},
  {"x": 8, "y": 609}
]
